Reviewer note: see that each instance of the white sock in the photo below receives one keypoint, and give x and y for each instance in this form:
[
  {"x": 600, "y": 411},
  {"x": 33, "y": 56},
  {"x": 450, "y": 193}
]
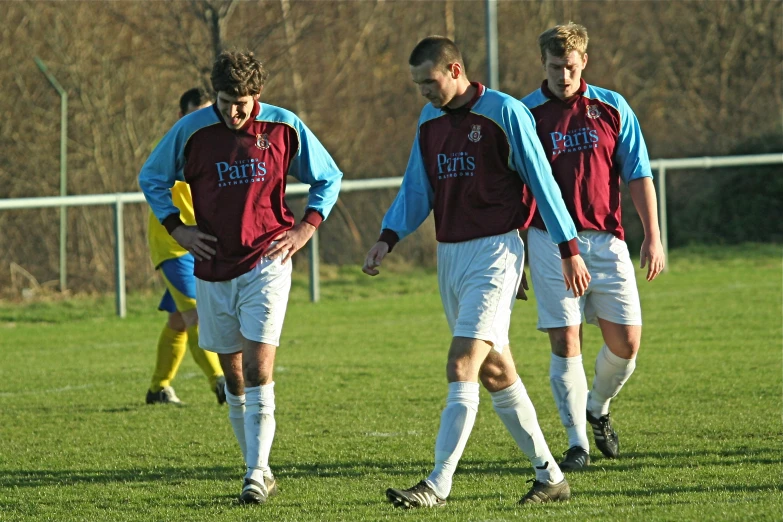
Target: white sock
[
  {"x": 611, "y": 372},
  {"x": 236, "y": 416},
  {"x": 259, "y": 429},
  {"x": 456, "y": 423},
  {"x": 514, "y": 408},
  {"x": 569, "y": 387}
]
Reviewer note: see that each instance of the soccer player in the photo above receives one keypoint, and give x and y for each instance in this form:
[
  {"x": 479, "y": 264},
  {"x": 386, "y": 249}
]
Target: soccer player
[
  {"x": 593, "y": 141},
  {"x": 176, "y": 267},
  {"x": 236, "y": 156},
  {"x": 474, "y": 150}
]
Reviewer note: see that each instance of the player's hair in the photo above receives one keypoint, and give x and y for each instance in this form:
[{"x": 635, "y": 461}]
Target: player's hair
[
  {"x": 440, "y": 50},
  {"x": 238, "y": 73},
  {"x": 562, "y": 39},
  {"x": 193, "y": 97}
]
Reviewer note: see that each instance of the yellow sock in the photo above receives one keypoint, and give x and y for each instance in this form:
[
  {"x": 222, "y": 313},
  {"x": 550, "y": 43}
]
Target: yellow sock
[
  {"x": 171, "y": 350},
  {"x": 207, "y": 361}
]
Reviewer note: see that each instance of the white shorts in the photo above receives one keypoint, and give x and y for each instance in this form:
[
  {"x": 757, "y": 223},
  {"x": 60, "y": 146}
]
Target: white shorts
[
  {"x": 611, "y": 295},
  {"x": 251, "y": 306},
  {"x": 478, "y": 281}
]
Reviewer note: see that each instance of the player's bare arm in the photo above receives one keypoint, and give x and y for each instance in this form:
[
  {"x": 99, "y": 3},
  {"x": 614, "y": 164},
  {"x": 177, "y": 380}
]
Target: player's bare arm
[
  {"x": 290, "y": 241},
  {"x": 194, "y": 241},
  {"x": 643, "y": 196},
  {"x": 575, "y": 275},
  {"x": 375, "y": 258}
]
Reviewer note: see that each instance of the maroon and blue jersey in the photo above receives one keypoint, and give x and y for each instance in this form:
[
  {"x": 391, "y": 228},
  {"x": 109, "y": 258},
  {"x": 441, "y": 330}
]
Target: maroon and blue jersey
[
  {"x": 470, "y": 165},
  {"x": 238, "y": 181},
  {"x": 592, "y": 141}
]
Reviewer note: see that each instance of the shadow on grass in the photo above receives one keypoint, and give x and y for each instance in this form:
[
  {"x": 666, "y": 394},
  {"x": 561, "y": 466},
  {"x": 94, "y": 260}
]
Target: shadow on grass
[
  {"x": 66, "y": 477},
  {"x": 649, "y": 492},
  {"x": 283, "y": 470},
  {"x": 639, "y": 497},
  {"x": 413, "y": 470},
  {"x": 638, "y": 460}
]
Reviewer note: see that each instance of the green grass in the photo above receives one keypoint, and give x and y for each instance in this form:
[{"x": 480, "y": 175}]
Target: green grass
[{"x": 360, "y": 386}]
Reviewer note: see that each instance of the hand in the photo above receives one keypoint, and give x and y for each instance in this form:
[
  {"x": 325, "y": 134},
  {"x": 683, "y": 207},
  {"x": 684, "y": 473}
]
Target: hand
[
  {"x": 652, "y": 255},
  {"x": 375, "y": 258},
  {"x": 193, "y": 241},
  {"x": 290, "y": 241},
  {"x": 576, "y": 275},
  {"x": 522, "y": 287}
]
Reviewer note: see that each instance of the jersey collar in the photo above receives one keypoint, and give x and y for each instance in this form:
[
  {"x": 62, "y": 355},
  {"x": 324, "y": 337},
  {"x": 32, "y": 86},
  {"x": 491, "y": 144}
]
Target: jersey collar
[
  {"x": 580, "y": 92},
  {"x": 480, "y": 89}
]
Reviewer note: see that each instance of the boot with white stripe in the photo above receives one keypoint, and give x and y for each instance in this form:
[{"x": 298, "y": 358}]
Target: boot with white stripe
[
  {"x": 606, "y": 438},
  {"x": 419, "y": 496}
]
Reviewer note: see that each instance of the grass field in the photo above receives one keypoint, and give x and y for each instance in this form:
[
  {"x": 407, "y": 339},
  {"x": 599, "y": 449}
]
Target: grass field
[{"x": 360, "y": 386}]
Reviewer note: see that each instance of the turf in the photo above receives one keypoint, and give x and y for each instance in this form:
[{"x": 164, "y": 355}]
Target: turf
[{"x": 360, "y": 386}]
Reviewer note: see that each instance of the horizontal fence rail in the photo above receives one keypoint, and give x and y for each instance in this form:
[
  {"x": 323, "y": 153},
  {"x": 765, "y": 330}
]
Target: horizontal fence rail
[{"x": 298, "y": 189}]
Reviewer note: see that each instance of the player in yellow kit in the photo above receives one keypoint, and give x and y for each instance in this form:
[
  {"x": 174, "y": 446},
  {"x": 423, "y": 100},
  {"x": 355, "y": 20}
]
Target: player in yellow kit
[{"x": 175, "y": 265}]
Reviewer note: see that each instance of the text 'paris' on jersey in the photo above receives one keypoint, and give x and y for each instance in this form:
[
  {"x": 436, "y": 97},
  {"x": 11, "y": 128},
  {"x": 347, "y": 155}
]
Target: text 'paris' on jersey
[
  {"x": 592, "y": 141},
  {"x": 238, "y": 181},
  {"x": 469, "y": 165}
]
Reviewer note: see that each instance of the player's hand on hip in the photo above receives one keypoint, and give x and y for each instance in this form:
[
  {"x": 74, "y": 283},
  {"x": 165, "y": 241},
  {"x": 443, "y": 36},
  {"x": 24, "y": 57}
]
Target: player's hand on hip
[
  {"x": 575, "y": 275},
  {"x": 652, "y": 255},
  {"x": 290, "y": 241},
  {"x": 375, "y": 258},
  {"x": 195, "y": 242},
  {"x": 522, "y": 287}
]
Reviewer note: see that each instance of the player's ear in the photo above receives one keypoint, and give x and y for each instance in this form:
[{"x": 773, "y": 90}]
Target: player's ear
[
  {"x": 584, "y": 60},
  {"x": 258, "y": 94},
  {"x": 456, "y": 70}
]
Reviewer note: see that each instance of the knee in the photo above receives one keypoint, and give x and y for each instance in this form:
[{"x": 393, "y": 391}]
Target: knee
[
  {"x": 493, "y": 377},
  {"x": 251, "y": 374},
  {"x": 234, "y": 383},
  {"x": 623, "y": 341},
  {"x": 625, "y": 350},
  {"x": 176, "y": 322},
  {"x": 258, "y": 373},
  {"x": 190, "y": 318},
  {"x": 564, "y": 344},
  {"x": 458, "y": 369},
  {"x": 494, "y": 382}
]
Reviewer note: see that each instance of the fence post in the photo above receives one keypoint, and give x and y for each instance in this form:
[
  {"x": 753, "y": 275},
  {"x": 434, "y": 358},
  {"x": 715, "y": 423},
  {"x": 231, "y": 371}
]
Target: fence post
[
  {"x": 491, "y": 34},
  {"x": 119, "y": 257},
  {"x": 315, "y": 261},
  {"x": 63, "y": 166},
  {"x": 662, "y": 213}
]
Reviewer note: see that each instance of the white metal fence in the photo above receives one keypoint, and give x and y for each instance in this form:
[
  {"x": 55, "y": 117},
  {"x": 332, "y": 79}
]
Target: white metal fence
[{"x": 297, "y": 190}]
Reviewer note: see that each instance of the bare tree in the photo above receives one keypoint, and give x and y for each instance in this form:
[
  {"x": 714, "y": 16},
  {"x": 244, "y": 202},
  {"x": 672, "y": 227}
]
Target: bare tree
[{"x": 703, "y": 77}]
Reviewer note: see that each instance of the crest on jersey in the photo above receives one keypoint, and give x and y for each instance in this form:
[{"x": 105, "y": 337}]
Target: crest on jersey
[
  {"x": 262, "y": 141},
  {"x": 475, "y": 133},
  {"x": 593, "y": 112}
]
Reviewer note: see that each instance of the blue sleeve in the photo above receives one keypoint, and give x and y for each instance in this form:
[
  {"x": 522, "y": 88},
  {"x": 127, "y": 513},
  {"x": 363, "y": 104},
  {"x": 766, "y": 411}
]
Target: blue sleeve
[
  {"x": 313, "y": 165},
  {"x": 161, "y": 170},
  {"x": 631, "y": 153},
  {"x": 414, "y": 200},
  {"x": 529, "y": 160}
]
